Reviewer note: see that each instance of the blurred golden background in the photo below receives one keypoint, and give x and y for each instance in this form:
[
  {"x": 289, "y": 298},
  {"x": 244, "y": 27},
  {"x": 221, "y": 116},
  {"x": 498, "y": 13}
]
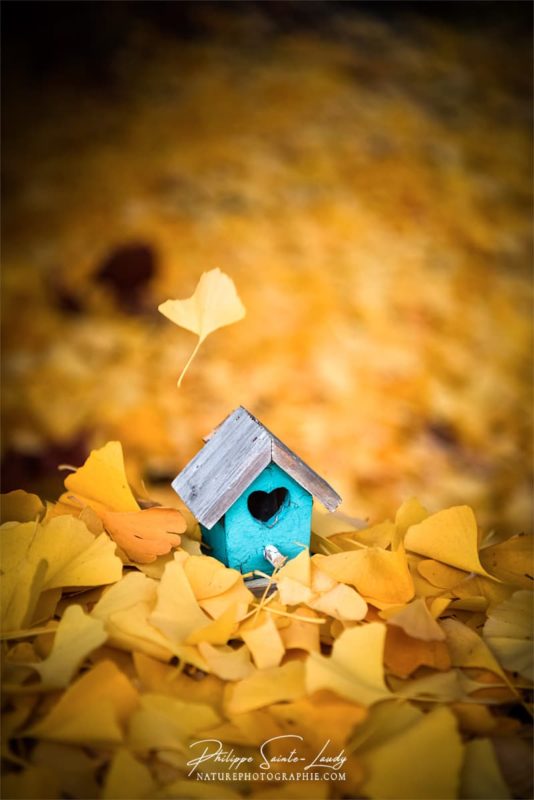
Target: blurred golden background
[{"x": 362, "y": 171}]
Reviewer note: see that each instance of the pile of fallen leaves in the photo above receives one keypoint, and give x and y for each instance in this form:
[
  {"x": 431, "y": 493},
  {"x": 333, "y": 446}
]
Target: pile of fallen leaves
[{"x": 404, "y": 647}]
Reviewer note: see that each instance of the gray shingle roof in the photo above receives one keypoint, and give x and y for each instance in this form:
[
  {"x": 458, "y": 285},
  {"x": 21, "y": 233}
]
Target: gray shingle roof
[{"x": 233, "y": 456}]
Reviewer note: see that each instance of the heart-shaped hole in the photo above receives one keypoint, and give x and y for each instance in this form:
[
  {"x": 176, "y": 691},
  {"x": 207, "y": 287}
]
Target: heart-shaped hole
[{"x": 264, "y": 505}]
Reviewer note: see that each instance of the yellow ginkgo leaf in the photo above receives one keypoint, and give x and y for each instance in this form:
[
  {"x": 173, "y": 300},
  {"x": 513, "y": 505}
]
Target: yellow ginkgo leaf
[
  {"x": 320, "y": 717},
  {"x": 481, "y": 775},
  {"x": 384, "y": 721},
  {"x": 37, "y": 557},
  {"x": 416, "y": 620},
  {"x": 301, "y": 635},
  {"x": 208, "y": 577},
  {"x": 77, "y": 635},
  {"x": 73, "y": 767},
  {"x": 467, "y": 649},
  {"x": 511, "y": 560},
  {"x": 125, "y": 609},
  {"x": 383, "y": 534},
  {"x": 321, "y": 581},
  {"x": 251, "y": 728},
  {"x": 438, "y": 574},
  {"x": 422, "y": 763},
  {"x": 488, "y": 589},
  {"x": 101, "y": 482},
  {"x": 341, "y": 602},
  {"x": 237, "y": 595},
  {"x": 410, "y": 513},
  {"x": 20, "y": 506},
  {"x": 127, "y": 778},
  {"x": 377, "y": 574},
  {"x": 355, "y": 668},
  {"x": 226, "y": 663},
  {"x": 216, "y": 631},
  {"x": 214, "y": 304},
  {"x": 444, "y": 687},
  {"x": 449, "y": 536},
  {"x": 298, "y": 568},
  {"x": 266, "y": 686},
  {"x": 159, "y": 678},
  {"x": 264, "y": 643},
  {"x": 438, "y": 605},
  {"x": 93, "y": 710},
  {"x": 177, "y": 613},
  {"x": 132, "y": 589},
  {"x": 20, "y": 589},
  {"x": 292, "y": 592},
  {"x": 75, "y": 557},
  {"x": 508, "y": 632},
  {"x": 163, "y": 722}
]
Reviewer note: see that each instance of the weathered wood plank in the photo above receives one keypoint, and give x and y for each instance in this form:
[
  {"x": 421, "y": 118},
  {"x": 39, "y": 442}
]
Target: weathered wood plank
[
  {"x": 233, "y": 456},
  {"x": 304, "y": 475},
  {"x": 230, "y": 460}
]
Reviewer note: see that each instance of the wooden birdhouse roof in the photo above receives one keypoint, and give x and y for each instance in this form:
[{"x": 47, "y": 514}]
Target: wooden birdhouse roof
[{"x": 233, "y": 456}]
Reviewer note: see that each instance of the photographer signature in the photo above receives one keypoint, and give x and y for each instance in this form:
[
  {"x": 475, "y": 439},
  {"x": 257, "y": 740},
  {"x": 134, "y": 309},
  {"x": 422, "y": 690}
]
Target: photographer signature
[{"x": 214, "y": 752}]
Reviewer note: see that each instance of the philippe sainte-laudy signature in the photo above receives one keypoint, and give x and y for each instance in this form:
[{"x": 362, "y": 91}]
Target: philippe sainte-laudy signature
[{"x": 212, "y": 751}]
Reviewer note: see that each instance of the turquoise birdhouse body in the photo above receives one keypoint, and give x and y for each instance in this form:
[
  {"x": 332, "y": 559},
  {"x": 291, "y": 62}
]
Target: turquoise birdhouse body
[
  {"x": 274, "y": 510},
  {"x": 251, "y": 495}
]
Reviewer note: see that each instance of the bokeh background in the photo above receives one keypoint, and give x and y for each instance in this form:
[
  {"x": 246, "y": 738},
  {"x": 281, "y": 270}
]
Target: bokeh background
[{"x": 361, "y": 170}]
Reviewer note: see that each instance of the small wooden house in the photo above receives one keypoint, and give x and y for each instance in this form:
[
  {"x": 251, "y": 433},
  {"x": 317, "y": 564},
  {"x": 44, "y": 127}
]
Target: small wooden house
[{"x": 249, "y": 491}]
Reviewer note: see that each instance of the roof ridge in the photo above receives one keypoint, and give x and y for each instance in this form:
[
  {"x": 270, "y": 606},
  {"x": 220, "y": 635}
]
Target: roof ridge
[{"x": 235, "y": 453}]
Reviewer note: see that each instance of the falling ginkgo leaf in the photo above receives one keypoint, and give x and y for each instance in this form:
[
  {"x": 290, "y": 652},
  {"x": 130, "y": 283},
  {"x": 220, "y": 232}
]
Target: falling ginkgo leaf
[{"x": 213, "y": 304}]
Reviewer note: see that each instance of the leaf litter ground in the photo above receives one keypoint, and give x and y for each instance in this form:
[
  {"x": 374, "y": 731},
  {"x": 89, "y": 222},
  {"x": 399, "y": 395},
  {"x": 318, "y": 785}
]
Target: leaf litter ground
[{"x": 406, "y": 646}]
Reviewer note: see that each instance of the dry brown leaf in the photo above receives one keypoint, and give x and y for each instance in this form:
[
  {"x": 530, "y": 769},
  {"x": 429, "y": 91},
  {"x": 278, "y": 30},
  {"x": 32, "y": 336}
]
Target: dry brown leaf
[
  {"x": 403, "y": 654},
  {"x": 145, "y": 535}
]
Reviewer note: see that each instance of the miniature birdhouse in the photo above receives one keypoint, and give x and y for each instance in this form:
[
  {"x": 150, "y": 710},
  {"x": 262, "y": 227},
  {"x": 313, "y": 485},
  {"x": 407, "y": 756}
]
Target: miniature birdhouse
[{"x": 251, "y": 495}]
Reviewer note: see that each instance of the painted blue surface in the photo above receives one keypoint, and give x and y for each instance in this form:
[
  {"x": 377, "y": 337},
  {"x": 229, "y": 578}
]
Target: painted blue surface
[{"x": 238, "y": 538}]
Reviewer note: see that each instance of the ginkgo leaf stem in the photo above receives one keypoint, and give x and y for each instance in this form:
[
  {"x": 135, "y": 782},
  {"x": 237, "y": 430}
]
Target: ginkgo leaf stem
[
  {"x": 266, "y": 592},
  {"x": 26, "y": 632},
  {"x": 189, "y": 360}
]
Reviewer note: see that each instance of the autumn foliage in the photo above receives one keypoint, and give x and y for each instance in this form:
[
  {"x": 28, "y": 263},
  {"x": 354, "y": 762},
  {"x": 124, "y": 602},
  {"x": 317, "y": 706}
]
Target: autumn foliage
[
  {"x": 364, "y": 186},
  {"x": 405, "y": 642}
]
